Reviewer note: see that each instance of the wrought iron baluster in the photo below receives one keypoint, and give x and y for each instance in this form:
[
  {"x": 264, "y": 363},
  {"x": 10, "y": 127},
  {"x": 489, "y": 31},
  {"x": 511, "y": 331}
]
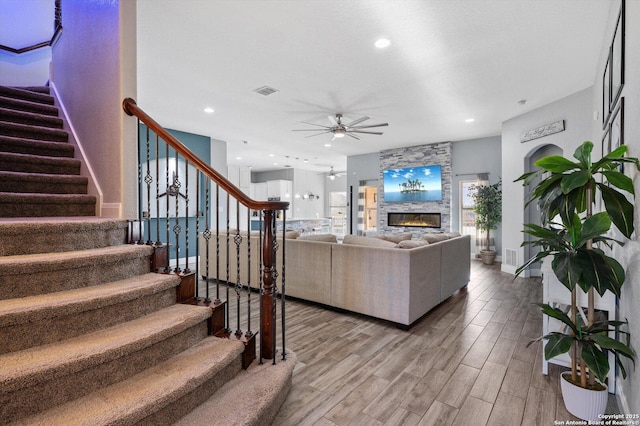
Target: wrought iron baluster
[
  {"x": 228, "y": 230},
  {"x": 148, "y": 179},
  {"x": 198, "y": 213},
  {"x": 158, "y": 242},
  {"x": 218, "y": 244},
  {"x": 207, "y": 236},
  {"x": 249, "y": 333},
  {"x": 187, "y": 270},
  {"x": 237, "y": 239},
  {"x": 177, "y": 229},
  {"x": 283, "y": 293},
  {"x": 167, "y": 268}
]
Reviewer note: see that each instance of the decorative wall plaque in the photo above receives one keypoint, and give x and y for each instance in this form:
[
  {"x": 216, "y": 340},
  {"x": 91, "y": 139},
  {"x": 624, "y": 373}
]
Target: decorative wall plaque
[{"x": 547, "y": 129}]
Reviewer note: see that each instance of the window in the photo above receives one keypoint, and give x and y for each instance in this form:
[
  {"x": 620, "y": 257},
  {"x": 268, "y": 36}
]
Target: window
[{"x": 467, "y": 216}]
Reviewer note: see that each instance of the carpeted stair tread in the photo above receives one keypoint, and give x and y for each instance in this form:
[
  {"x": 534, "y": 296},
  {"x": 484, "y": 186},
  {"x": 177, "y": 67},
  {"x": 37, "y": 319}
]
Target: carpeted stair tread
[
  {"x": 42, "y": 307},
  {"x": 28, "y": 106},
  {"x": 34, "y": 94},
  {"x": 31, "y": 274},
  {"x": 29, "y": 163},
  {"x": 74, "y": 312},
  {"x": 53, "y": 234},
  {"x": 40, "y": 364},
  {"x": 36, "y": 147},
  {"x": 30, "y": 118},
  {"x": 266, "y": 386},
  {"x": 41, "y": 205},
  {"x": 139, "y": 397},
  {"x": 64, "y": 260},
  {"x": 33, "y": 132},
  {"x": 42, "y": 183}
]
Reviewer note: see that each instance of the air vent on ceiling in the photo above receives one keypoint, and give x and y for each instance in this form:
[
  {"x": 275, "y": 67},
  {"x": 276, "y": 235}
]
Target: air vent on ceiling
[{"x": 265, "y": 90}]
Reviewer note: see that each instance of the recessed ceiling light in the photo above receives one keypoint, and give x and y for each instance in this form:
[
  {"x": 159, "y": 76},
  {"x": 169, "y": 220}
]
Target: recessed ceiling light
[
  {"x": 469, "y": 120},
  {"x": 327, "y": 145},
  {"x": 306, "y": 160},
  {"x": 275, "y": 164},
  {"x": 272, "y": 155},
  {"x": 382, "y": 43},
  {"x": 238, "y": 158},
  {"x": 209, "y": 110}
]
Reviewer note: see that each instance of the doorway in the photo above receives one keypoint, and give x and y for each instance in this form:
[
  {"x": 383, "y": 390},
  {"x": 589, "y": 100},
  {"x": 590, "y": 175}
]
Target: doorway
[{"x": 532, "y": 211}]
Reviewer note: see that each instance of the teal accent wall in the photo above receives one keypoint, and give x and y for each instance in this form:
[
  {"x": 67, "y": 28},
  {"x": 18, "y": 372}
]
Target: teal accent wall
[{"x": 200, "y": 146}]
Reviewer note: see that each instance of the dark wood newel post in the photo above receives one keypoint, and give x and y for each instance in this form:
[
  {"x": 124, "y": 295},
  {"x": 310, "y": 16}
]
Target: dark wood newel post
[{"x": 268, "y": 289}]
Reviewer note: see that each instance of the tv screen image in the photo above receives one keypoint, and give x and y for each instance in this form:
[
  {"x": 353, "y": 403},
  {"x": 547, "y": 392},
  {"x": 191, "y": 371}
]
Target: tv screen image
[{"x": 412, "y": 184}]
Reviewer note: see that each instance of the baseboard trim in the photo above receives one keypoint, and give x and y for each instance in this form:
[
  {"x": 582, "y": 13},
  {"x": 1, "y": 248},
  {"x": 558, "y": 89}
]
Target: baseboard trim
[
  {"x": 623, "y": 405},
  {"x": 111, "y": 210}
]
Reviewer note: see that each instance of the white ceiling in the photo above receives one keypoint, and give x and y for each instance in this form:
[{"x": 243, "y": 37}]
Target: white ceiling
[{"x": 448, "y": 61}]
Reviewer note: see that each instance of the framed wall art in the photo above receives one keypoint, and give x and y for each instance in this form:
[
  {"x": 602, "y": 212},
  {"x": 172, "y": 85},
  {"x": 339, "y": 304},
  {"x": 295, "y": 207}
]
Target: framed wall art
[
  {"x": 606, "y": 92},
  {"x": 616, "y": 130},
  {"x": 617, "y": 58}
]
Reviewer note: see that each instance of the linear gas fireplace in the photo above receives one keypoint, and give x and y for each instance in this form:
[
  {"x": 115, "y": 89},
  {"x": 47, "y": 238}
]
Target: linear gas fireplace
[{"x": 416, "y": 220}]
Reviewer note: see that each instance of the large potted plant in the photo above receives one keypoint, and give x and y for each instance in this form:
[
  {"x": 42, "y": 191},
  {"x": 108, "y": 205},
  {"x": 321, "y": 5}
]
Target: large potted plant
[
  {"x": 574, "y": 238},
  {"x": 487, "y": 206}
]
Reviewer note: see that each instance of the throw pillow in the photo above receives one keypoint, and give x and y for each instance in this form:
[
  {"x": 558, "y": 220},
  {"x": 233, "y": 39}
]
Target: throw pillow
[
  {"x": 435, "y": 238},
  {"x": 291, "y": 235},
  {"x": 409, "y": 244},
  {"x": 367, "y": 241},
  {"x": 396, "y": 238},
  {"x": 326, "y": 238}
]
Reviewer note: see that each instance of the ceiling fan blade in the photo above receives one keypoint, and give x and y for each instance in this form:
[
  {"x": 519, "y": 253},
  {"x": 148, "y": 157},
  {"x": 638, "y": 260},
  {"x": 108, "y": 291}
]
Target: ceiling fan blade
[
  {"x": 352, "y": 136},
  {"x": 359, "y": 120},
  {"x": 308, "y": 130},
  {"x": 365, "y": 131},
  {"x": 321, "y": 133},
  {"x": 370, "y": 125},
  {"x": 333, "y": 120},
  {"x": 333, "y": 138},
  {"x": 313, "y": 124}
]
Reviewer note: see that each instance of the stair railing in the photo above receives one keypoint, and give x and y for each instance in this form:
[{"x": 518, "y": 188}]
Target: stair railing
[{"x": 166, "y": 209}]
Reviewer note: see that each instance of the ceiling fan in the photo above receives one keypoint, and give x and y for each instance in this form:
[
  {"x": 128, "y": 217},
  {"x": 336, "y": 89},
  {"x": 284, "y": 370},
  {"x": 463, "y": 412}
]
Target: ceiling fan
[
  {"x": 339, "y": 129},
  {"x": 333, "y": 174}
]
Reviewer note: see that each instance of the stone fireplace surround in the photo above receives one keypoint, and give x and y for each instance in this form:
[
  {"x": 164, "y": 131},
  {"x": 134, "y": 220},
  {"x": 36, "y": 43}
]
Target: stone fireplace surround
[{"x": 420, "y": 155}]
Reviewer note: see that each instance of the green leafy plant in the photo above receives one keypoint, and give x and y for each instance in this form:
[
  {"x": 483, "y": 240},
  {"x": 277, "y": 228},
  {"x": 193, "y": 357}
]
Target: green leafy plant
[
  {"x": 488, "y": 207},
  {"x": 574, "y": 237}
]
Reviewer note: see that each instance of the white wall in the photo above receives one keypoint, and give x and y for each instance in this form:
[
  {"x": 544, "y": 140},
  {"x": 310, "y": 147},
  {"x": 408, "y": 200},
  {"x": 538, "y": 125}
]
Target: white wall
[
  {"x": 93, "y": 69},
  {"x": 629, "y": 389},
  {"x": 305, "y": 181},
  {"x": 576, "y": 111},
  {"x": 470, "y": 157}
]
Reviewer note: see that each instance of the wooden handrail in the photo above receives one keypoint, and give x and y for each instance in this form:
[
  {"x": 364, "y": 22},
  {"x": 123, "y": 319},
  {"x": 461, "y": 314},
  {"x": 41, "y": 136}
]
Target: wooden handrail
[{"x": 131, "y": 108}]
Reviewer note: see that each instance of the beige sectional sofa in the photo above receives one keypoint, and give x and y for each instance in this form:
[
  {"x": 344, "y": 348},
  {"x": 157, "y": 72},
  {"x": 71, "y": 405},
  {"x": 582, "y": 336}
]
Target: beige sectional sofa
[{"x": 379, "y": 280}]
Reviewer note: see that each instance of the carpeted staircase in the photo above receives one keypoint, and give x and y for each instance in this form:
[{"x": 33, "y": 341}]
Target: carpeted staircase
[{"x": 88, "y": 335}]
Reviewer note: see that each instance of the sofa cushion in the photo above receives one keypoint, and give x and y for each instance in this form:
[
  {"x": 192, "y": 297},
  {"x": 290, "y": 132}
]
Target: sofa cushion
[
  {"x": 367, "y": 241},
  {"x": 453, "y": 234},
  {"x": 435, "y": 237},
  {"x": 396, "y": 238},
  {"x": 327, "y": 238},
  {"x": 409, "y": 244},
  {"x": 291, "y": 235}
]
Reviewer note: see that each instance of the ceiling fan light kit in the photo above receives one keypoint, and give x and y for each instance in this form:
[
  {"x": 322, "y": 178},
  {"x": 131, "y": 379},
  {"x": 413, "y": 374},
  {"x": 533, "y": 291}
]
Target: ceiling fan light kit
[{"x": 339, "y": 130}]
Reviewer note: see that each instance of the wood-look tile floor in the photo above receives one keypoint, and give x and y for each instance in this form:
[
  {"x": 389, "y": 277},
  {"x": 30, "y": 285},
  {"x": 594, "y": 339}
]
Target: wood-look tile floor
[{"x": 465, "y": 363}]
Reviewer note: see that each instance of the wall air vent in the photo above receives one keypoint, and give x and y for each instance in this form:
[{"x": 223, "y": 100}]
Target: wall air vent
[
  {"x": 511, "y": 257},
  {"x": 265, "y": 90}
]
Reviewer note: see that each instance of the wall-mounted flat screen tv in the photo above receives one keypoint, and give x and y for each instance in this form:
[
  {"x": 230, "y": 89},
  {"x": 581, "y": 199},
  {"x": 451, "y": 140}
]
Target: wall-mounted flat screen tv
[{"x": 412, "y": 184}]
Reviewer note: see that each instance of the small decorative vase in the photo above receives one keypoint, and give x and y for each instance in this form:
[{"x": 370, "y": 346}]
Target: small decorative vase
[
  {"x": 488, "y": 256},
  {"x": 585, "y": 404}
]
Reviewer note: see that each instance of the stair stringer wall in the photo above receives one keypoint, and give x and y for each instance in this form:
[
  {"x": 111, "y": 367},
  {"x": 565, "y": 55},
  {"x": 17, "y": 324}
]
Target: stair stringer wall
[{"x": 93, "y": 188}]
